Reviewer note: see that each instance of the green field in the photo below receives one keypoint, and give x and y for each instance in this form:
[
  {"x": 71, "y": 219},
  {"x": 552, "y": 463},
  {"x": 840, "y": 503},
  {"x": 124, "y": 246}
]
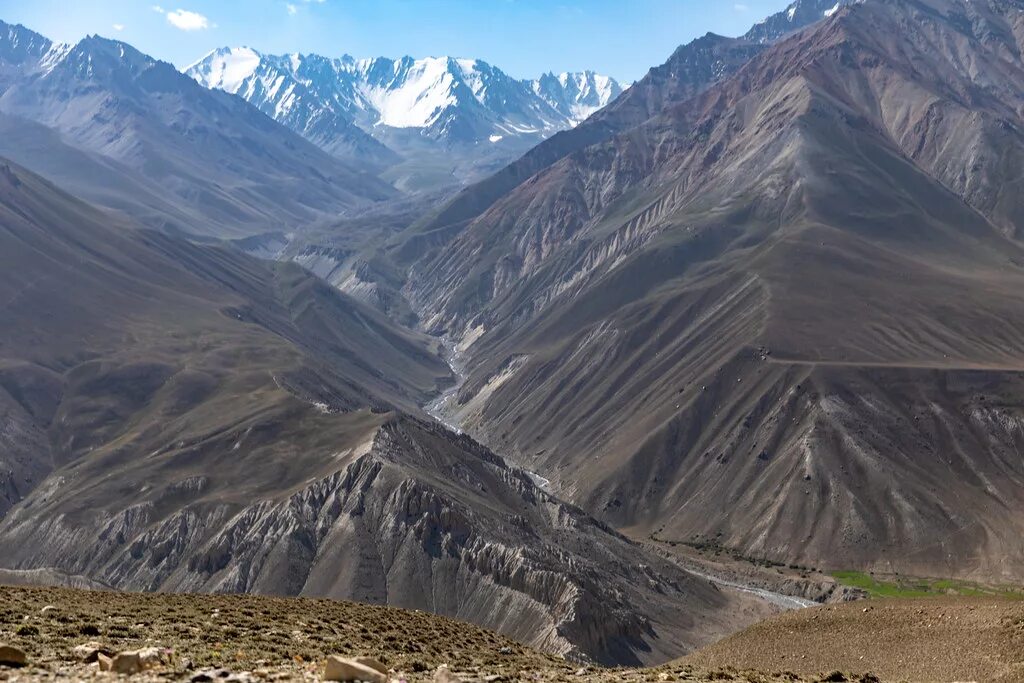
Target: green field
[{"x": 893, "y": 586}]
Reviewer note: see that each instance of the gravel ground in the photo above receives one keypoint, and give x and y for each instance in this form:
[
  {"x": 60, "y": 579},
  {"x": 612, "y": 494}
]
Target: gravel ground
[{"x": 251, "y": 638}]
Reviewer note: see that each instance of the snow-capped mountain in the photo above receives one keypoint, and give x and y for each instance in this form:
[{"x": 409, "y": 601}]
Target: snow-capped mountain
[
  {"x": 454, "y": 102},
  {"x": 132, "y": 133},
  {"x": 799, "y": 14},
  {"x": 577, "y": 95}
]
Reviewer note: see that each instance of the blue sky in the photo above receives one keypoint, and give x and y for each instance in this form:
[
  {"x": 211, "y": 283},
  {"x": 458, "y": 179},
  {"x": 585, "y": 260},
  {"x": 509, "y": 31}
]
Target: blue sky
[{"x": 622, "y": 38}]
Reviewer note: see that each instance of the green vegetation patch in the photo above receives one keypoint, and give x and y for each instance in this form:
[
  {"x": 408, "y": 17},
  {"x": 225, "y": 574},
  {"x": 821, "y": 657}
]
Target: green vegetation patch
[{"x": 896, "y": 586}]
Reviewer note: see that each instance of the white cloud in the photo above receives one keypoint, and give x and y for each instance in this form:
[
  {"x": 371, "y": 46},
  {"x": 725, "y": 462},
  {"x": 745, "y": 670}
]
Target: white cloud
[
  {"x": 159, "y": 10},
  {"x": 118, "y": 27},
  {"x": 188, "y": 21},
  {"x": 292, "y": 9},
  {"x": 740, "y": 7}
]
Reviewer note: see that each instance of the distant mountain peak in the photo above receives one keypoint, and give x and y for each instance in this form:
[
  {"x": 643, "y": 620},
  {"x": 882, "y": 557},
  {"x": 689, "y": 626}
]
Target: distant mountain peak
[
  {"x": 19, "y": 44},
  {"x": 454, "y": 99}
]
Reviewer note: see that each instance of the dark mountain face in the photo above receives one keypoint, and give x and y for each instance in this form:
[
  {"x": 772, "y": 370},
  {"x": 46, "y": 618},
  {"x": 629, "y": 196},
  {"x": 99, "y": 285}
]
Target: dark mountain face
[
  {"x": 229, "y": 169},
  {"x": 769, "y": 315}
]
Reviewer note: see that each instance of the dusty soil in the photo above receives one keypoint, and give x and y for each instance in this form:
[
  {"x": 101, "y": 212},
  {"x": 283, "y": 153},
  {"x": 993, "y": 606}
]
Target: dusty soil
[
  {"x": 928, "y": 639},
  {"x": 265, "y": 638}
]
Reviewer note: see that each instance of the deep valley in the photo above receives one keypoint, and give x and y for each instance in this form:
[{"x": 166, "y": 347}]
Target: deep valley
[{"x": 718, "y": 375}]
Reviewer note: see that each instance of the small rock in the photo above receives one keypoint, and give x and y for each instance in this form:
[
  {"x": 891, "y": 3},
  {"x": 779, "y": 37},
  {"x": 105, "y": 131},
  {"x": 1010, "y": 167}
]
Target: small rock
[
  {"x": 12, "y": 656},
  {"x": 341, "y": 669},
  {"x": 373, "y": 664},
  {"x": 89, "y": 652},
  {"x": 126, "y": 663},
  {"x": 48, "y": 609},
  {"x": 506, "y": 650},
  {"x": 106, "y": 663},
  {"x": 137, "y": 661},
  {"x": 445, "y": 675}
]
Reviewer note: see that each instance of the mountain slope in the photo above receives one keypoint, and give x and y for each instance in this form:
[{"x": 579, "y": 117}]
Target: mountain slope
[
  {"x": 771, "y": 318},
  {"x": 188, "y": 418},
  {"x": 229, "y": 167},
  {"x": 690, "y": 70}
]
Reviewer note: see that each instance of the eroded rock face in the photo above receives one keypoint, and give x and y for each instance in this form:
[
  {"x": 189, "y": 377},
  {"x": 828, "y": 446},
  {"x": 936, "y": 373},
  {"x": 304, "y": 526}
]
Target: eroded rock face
[{"x": 426, "y": 520}]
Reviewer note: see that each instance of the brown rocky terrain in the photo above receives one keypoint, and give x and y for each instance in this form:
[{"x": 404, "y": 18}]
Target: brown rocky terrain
[{"x": 253, "y": 638}]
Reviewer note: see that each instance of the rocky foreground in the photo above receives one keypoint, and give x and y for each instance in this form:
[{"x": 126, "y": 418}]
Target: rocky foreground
[{"x": 49, "y": 634}]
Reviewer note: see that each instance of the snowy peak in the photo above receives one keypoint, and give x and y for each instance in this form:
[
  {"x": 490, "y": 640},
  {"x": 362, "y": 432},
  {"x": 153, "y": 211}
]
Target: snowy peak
[
  {"x": 798, "y": 15},
  {"x": 226, "y": 68},
  {"x": 577, "y": 95},
  {"x": 18, "y": 44},
  {"x": 444, "y": 98},
  {"x": 290, "y": 89},
  {"x": 95, "y": 57}
]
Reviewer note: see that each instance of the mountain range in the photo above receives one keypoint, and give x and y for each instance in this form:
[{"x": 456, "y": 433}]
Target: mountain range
[
  {"x": 133, "y": 133},
  {"x": 766, "y": 301},
  {"x": 380, "y": 111},
  {"x": 780, "y": 313}
]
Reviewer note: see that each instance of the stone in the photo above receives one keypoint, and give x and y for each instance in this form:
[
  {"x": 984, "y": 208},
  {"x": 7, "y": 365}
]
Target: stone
[
  {"x": 126, "y": 663},
  {"x": 341, "y": 669},
  {"x": 90, "y": 652},
  {"x": 12, "y": 656},
  {"x": 137, "y": 661},
  {"x": 373, "y": 664},
  {"x": 105, "y": 662},
  {"x": 48, "y": 609}
]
